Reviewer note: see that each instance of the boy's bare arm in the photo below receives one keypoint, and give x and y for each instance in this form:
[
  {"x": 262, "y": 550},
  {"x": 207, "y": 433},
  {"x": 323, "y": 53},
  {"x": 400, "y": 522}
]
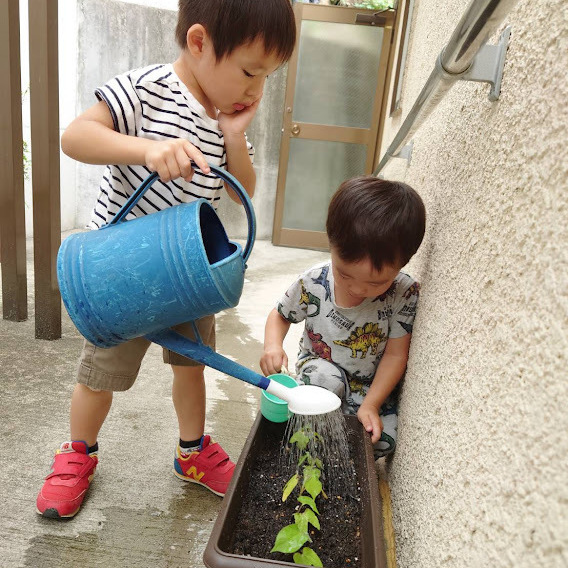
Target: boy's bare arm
[
  {"x": 91, "y": 138},
  {"x": 389, "y": 372},
  {"x": 238, "y": 159},
  {"x": 240, "y": 165},
  {"x": 274, "y": 355}
]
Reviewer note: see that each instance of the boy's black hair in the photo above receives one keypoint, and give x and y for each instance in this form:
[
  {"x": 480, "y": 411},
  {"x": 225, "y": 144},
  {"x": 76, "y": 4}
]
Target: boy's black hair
[
  {"x": 232, "y": 23},
  {"x": 379, "y": 219}
]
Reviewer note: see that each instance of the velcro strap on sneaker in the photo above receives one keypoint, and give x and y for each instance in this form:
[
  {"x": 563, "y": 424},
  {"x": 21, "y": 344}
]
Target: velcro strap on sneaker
[
  {"x": 214, "y": 454},
  {"x": 73, "y": 463}
]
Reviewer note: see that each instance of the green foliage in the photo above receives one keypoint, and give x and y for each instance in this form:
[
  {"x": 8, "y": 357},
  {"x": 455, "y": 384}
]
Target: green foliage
[
  {"x": 375, "y": 4},
  {"x": 300, "y": 439},
  {"x": 292, "y": 537},
  {"x": 27, "y": 160},
  {"x": 307, "y": 557},
  {"x": 305, "y": 518},
  {"x": 25, "y": 150},
  {"x": 305, "y": 500},
  {"x": 312, "y": 483},
  {"x": 289, "y": 487}
]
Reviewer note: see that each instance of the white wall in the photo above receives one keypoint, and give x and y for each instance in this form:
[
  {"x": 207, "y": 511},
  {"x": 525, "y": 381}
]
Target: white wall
[
  {"x": 69, "y": 107},
  {"x": 67, "y": 96}
]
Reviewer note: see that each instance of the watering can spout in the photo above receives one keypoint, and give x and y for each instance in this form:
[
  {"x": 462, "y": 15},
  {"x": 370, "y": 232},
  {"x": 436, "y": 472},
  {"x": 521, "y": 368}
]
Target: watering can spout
[{"x": 305, "y": 399}]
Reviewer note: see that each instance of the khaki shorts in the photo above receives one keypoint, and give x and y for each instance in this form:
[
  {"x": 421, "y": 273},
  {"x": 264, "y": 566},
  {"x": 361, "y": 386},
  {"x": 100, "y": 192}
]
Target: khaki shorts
[{"x": 116, "y": 368}]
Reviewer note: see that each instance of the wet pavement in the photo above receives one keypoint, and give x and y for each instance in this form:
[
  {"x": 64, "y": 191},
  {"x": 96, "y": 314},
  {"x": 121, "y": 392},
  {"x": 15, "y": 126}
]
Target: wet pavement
[{"x": 137, "y": 512}]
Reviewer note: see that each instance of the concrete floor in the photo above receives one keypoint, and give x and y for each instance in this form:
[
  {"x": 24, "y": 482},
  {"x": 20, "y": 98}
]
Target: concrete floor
[{"x": 137, "y": 512}]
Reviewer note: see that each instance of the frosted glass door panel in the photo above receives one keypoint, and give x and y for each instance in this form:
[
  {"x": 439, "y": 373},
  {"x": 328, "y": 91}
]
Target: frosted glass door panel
[
  {"x": 315, "y": 170},
  {"x": 337, "y": 74}
]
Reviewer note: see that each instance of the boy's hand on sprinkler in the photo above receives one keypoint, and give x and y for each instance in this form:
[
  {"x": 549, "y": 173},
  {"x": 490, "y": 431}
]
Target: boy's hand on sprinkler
[
  {"x": 171, "y": 159},
  {"x": 272, "y": 360},
  {"x": 368, "y": 415}
]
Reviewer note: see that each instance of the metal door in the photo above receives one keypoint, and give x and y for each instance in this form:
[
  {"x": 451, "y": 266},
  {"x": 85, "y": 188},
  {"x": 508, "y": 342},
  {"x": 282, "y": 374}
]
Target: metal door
[{"x": 334, "y": 97}]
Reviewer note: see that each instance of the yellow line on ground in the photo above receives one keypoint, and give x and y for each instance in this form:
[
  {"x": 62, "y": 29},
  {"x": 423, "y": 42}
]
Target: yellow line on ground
[{"x": 388, "y": 527}]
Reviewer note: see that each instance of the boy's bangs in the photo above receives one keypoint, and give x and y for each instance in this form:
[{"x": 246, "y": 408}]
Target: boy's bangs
[
  {"x": 232, "y": 23},
  {"x": 273, "y": 23}
]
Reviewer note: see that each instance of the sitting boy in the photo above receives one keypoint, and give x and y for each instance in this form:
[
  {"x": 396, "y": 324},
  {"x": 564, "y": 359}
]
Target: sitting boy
[{"x": 359, "y": 307}]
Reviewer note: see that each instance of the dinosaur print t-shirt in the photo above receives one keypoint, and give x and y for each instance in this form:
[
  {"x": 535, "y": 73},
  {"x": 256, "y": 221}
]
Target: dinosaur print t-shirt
[{"x": 352, "y": 338}]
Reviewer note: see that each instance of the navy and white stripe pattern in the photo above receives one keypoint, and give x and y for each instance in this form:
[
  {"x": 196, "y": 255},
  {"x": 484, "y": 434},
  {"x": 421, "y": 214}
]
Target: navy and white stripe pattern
[{"x": 152, "y": 102}]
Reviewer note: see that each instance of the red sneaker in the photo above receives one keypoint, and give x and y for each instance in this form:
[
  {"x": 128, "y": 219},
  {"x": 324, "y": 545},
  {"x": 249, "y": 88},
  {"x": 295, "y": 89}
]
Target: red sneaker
[
  {"x": 210, "y": 466},
  {"x": 65, "y": 487}
]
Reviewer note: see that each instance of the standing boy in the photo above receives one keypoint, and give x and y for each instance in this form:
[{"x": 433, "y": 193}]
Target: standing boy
[
  {"x": 358, "y": 308},
  {"x": 159, "y": 118}
]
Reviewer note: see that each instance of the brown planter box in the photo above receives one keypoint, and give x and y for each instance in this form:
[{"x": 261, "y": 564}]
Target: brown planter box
[{"x": 373, "y": 555}]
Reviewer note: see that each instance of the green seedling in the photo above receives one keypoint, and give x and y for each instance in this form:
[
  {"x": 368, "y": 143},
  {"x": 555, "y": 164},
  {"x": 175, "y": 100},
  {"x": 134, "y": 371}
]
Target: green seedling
[{"x": 293, "y": 537}]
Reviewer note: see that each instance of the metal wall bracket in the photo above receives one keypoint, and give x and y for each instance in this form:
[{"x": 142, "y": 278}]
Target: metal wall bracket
[
  {"x": 488, "y": 64},
  {"x": 406, "y": 152},
  {"x": 374, "y": 19}
]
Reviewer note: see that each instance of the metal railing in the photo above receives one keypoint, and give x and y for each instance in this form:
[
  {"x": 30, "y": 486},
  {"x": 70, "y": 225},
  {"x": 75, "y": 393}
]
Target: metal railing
[{"x": 465, "y": 57}]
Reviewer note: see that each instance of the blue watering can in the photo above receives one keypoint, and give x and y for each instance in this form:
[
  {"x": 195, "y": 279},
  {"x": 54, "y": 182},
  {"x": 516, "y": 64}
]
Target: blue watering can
[{"x": 141, "y": 277}]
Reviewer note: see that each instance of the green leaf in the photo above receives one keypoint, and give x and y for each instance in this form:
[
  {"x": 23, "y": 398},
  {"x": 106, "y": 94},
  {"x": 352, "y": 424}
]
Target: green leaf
[
  {"x": 290, "y": 539},
  {"x": 307, "y": 516},
  {"x": 305, "y": 457},
  {"x": 318, "y": 463},
  {"x": 311, "y": 471},
  {"x": 289, "y": 487},
  {"x": 311, "y": 518},
  {"x": 300, "y": 439},
  {"x": 307, "y": 557},
  {"x": 313, "y": 486},
  {"x": 302, "y": 520},
  {"x": 309, "y": 502}
]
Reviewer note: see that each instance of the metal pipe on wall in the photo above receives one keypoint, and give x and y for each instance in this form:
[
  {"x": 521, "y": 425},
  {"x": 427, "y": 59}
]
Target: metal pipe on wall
[{"x": 478, "y": 23}]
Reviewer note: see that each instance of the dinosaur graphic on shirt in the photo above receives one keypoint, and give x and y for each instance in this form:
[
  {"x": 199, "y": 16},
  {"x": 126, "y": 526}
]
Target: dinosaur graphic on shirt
[
  {"x": 323, "y": 280},
  {"x": 390, "y": 293},
  {"x": 291, "y": 317},
  {"x": 363, "y": 339},
  {"x": 319, "y": 347},
  {"x": 358, "y": 386},
  {"x": 412, "y": 290},
  {"x": 308, "y": 299}
]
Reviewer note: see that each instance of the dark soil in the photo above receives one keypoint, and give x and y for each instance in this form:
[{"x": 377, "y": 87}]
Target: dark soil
[{"x": 263, "y": 513}]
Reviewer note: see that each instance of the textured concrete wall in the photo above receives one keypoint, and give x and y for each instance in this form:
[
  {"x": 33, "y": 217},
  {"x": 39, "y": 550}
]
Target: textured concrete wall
[
  {"x": 115, "y": 37},
  {"x": 479, "y": 477}
]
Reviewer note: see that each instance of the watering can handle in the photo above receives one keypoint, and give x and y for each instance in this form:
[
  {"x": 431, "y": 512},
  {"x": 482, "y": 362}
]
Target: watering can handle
[{"x": 219, "y": 172}]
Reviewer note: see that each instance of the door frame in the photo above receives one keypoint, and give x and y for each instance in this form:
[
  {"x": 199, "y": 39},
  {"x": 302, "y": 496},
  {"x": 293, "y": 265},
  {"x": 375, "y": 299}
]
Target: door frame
[{"x": 368, "y": 136}]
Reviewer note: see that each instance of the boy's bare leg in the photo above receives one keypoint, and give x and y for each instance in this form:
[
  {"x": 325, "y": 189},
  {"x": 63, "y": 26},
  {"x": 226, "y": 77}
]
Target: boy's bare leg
[
  {"x": 89, "y": 408},
  {"x": 188, "y": 394}
]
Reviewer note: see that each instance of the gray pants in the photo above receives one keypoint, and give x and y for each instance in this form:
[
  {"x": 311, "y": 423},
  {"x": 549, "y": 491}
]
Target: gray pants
[{"x": 323, "y": 373}]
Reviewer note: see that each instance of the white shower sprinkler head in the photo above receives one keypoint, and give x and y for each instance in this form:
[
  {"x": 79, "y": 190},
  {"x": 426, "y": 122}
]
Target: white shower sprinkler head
[{"x": 305, "y": 399}]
